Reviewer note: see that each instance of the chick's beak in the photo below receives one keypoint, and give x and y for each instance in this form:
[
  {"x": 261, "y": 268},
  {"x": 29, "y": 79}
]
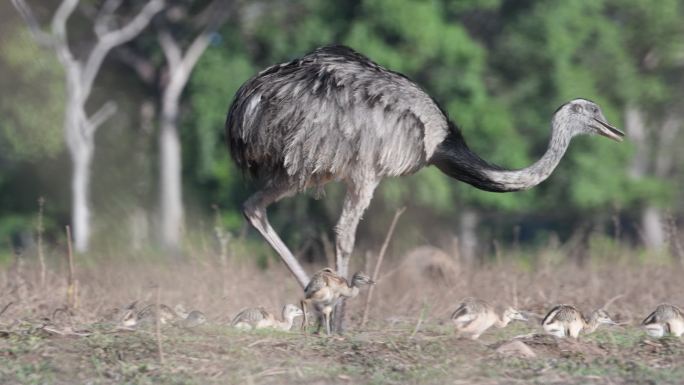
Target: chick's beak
[{"x": 608, "y": 131}]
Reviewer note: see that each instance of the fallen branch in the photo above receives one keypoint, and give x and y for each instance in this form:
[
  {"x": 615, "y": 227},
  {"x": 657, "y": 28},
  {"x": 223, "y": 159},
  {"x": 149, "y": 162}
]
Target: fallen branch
[{"x": 376, "y": 272}]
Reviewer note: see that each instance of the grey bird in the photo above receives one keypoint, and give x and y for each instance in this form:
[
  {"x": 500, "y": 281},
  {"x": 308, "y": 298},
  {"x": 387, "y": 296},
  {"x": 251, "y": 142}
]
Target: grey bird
[{"x": 335, "y": 115}]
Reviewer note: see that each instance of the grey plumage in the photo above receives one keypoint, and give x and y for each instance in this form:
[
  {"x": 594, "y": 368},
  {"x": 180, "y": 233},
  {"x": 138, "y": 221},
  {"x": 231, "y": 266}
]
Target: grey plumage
[
  {"x": 335, "y": 115},
  {"x": 329, "y": 113}
]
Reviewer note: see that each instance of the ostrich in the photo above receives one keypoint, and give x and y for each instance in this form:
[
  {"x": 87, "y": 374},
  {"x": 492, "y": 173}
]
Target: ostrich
[{"x": 335, "y": 115}]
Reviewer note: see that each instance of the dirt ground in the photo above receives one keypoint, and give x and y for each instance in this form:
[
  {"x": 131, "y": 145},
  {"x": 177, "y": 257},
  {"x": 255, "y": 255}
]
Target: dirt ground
[{"x": 408, "y": 338}]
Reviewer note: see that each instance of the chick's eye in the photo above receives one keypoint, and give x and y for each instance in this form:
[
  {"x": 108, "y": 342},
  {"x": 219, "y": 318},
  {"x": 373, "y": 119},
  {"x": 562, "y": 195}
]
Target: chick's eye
[{"x": 594, "y": 109}]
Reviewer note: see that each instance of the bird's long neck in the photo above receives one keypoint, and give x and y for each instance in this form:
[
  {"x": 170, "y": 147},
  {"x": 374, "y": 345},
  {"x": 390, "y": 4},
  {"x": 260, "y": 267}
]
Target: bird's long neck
[
  {"x": 591, "y": 325},
  {"x": 350, "y": 291},
  {"x": 455, "y": 159},
  {"x": 286, "y": 323},
  {"x": 501, "y": 321}
]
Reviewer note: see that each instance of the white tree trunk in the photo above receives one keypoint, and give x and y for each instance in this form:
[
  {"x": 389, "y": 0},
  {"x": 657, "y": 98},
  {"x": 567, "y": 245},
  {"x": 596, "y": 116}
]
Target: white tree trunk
[
  {"x": 170, "y": 183},
  {"x": 81, "y": 159},
  {"x": 652, "y": 228},
  {"x": 468, "y": 240},
  {"x": 180, "y": 66},
  {"x": 79, "y": 128},
  {"x": 652, "y": 224}
]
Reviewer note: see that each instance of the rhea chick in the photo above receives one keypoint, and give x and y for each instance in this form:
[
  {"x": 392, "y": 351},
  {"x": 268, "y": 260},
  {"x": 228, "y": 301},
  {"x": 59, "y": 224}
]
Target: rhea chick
[
  {"x": 259, "y": 318},
  {"x": 474, "y": 316},
  {"x": 567, "y": 321},
  {"x": 325, "y": 289},
  {"x": 665, "y": 319}
]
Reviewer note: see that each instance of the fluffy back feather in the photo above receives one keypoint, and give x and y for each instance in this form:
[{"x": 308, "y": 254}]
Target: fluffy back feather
[{"x": 327, "y": 115}]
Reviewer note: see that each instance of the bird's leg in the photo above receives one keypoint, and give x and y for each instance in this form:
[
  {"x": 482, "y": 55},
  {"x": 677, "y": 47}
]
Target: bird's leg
[
  {"x": 320, "y": 319},
  {"x": 328, "y": 324},
  {"x": 356, "y": 202},
  {"x": 255, "y": 212},
  {"x": 305, "y": 318}
]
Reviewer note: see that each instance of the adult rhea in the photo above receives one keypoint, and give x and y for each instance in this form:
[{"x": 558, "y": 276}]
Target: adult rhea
[{"x": 335, "y": 115}]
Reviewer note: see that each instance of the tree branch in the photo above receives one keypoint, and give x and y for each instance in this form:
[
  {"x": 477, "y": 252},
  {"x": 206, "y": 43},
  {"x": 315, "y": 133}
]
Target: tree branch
[
  {"x": 144, "y": 67},
  {"x": 41, "y": 37},
  {"x": 103, "y": 17},
  {"x": 58, "y": 39},
  {"x": 171, "y": 49},
  {"x": 181, "y": 64},
  {"x": 66, "y": 8},
  {"x": 100, "y": 116},
  {"x": 116, "y": 37}
]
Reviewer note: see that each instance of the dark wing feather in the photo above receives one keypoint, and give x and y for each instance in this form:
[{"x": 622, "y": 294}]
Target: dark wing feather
[
  {"x": 460, "y": 311},
  {"x": 551, "y": 315},
  {"x": 650, "y": 319}
]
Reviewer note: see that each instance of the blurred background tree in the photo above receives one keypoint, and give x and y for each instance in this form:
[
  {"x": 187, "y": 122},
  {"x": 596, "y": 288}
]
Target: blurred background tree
[{"x": 499, "y": 68}]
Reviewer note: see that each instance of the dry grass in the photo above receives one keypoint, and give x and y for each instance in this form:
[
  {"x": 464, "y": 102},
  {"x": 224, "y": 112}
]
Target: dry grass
[{"x": 406, "y": 341}]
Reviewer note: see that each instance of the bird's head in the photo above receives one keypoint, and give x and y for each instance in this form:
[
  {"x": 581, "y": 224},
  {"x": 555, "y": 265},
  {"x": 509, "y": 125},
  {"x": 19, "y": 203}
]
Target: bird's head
[
  {"x": 514, "y": 314},
  {"x": 582, "y": 116},
  {"x": 291, "y": 311},
  {"x": 360, "y": 279},
  {"x": 601, "y": 316}
]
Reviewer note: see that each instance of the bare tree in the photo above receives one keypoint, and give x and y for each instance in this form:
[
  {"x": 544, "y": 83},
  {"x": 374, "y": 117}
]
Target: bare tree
[
  {"x": 80, "y": 74},
  {"x": 179, "y": 67},
  {"x": 654, "y": 156}
]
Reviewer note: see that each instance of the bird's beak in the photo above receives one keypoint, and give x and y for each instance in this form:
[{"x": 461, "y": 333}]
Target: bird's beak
[{"x": 608, "y": 131}]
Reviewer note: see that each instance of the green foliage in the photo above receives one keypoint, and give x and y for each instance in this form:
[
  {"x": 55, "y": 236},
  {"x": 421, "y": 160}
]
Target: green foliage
[
  {"x": 31, "y": 125},
  {"x": 498, "y": 67}
]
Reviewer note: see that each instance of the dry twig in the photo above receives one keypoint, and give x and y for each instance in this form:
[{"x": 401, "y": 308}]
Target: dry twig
[
  {"x": 376, "y": 271},
  {"x": 4, "y": 309}
]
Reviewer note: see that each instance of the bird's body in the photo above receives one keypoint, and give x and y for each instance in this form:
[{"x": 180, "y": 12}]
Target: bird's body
[
  {"x": 148, "y": 314},
  {"x": 665, "y": 319},
  {"x": 260, "y": 318},
  {"x": 324, "y": 291},
  {"x": 193, "y": 319},
  {"x": 567, "y": 321},
  {"x": 335, "y": 115},
  {"x": 474, "y": 316}
]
